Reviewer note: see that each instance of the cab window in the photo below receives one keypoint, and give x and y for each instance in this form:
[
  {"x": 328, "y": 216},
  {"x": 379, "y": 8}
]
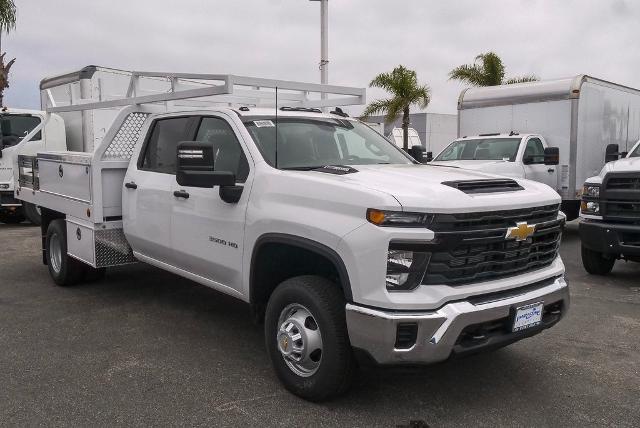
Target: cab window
[
  {"x": 227, "y": 151},
  {"x": 13, "y": 128},
  {"x": 534, "y": 151},
  {"x": 162, "y": 145}
]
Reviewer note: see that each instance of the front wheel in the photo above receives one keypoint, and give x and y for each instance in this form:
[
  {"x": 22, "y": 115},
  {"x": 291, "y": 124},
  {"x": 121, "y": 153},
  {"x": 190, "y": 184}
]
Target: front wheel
[
  {"x": 307, "y": 340},
  {"x": 63, "y": 269},
  {"x": 597, "y": 263}
]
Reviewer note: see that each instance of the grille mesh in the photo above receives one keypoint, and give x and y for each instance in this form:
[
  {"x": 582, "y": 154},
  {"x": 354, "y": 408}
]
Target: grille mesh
[{"x": 121, "y": 147}]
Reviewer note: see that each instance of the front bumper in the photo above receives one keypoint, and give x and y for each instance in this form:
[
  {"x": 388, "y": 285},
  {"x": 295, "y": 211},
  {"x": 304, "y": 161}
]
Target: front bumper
[
  {"x": 472, "y": 325},
  {"x": 610, "y": 238}
]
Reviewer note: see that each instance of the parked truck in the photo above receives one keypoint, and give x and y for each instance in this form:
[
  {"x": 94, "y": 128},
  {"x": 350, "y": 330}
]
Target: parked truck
[
  {"x": 27, "y": 132},
  {"x": 610, "y": 212},
  {"x": 579, "y": 116},
  {"x": 342, "y": 245}
]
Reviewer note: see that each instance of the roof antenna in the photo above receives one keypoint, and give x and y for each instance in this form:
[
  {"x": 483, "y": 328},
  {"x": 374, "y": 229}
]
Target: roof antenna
[{"x": 276, "y": 158}]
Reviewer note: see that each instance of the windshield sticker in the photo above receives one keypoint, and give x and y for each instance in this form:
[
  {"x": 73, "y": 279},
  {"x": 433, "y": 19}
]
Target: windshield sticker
[{"x": 263, "y": 123}]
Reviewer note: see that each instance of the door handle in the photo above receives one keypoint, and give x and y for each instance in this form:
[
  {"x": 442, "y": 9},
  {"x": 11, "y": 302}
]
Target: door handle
[
  {"x": 131, "y": 185},
  {"x": 181, "y": 194},
  {"x": 550, "y": 170}
]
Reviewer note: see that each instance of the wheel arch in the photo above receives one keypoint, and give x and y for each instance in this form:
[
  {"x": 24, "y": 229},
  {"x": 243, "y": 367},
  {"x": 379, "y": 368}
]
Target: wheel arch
[{"x": 258, "y": 295}]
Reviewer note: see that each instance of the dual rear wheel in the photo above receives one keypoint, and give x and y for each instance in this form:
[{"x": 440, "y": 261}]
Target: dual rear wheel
[{"x": 64, "y": 269}]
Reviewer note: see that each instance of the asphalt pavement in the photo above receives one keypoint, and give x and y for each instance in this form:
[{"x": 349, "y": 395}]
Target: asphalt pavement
[{"x": 145, "y": 347}]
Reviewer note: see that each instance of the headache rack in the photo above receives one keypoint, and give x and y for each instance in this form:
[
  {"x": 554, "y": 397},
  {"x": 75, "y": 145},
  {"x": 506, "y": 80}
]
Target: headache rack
[{"x": 77, "y": 91}]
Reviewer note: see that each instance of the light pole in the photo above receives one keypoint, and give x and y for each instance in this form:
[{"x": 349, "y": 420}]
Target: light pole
[{"x": 324, "y": 41}]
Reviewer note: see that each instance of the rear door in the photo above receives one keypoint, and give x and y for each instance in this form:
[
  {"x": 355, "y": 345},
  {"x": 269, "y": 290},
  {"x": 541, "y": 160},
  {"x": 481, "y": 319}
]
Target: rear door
[
  {"x": 207, "y": 232},
  {"x": 147, "y": 193},
  {"x": 537, "y": 170}
]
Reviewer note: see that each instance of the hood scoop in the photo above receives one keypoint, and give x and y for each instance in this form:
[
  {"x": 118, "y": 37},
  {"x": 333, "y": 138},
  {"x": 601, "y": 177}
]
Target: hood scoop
[
  {"x": 336, "y": 169},
  {"x": 485, "y": 186}
]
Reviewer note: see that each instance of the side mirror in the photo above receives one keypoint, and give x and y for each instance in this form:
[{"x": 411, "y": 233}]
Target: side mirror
[
  {"x": 611, "y": 153},
  {"x": 417, "y": 152},
  {"x": 429, "y": 157},
  {"x": 551, "y": 156},
  {"x": 195, "y": 167},
  {"x": 624, "y": 154}
]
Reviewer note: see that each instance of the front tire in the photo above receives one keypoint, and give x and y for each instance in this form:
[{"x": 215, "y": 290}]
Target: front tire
[
  {"x": 307, "y": 340},
  {"x": 32, "y": 213},
  {"x": 63, "y": 269},
  {"x": 597, "y": 263}
]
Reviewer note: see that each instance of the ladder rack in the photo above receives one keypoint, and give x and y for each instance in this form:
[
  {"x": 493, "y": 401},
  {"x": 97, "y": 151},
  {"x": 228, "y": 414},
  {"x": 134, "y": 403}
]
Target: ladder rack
[{"x": 74, "y": 91}]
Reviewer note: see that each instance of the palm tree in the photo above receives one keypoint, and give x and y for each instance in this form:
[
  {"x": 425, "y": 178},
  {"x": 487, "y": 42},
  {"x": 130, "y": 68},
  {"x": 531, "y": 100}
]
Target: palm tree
[
  {"x": 486, "y": 70},
  {"x": 403, "y": 85},
  {"x": 7, "y": 23}
]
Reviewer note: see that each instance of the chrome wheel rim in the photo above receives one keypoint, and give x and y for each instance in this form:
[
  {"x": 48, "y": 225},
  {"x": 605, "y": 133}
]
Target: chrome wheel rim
[
  {"x": 299, "y": 340},
  {"x": 55, "y": 252}
]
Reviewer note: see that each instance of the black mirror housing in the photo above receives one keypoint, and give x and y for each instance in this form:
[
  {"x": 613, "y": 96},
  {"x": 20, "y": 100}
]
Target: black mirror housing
[
  {"x": 551, "y": 156},
  {"x": 195, "y": 166},
  {"x": 428, "y": 157},
  {"x": 417, "y": 152},
  {"x": 612, "y": 153}
]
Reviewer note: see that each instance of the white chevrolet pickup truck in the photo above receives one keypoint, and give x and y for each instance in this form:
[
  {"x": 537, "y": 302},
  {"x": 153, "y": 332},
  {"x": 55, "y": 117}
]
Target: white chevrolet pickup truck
[{"x": 344, "y": 246}]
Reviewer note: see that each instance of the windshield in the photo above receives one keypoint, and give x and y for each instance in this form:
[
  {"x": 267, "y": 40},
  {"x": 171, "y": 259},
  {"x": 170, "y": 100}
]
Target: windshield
[
  {"x": 307, "y": 143},
  {"x": 13, "y": 128},
  {"x": 636, "y": 152},
  {"x": 481, "y": 149}
]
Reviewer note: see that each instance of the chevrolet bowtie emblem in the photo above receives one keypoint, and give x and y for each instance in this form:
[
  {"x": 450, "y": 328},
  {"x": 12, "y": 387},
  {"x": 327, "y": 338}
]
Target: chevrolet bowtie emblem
[{"x": 521, "y": 231}]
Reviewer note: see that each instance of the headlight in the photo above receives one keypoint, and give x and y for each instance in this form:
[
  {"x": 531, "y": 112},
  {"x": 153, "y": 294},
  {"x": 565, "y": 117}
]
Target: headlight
[
  {"x": 398, "y": 218},
  {"x": 405, "y": 269},
  {"x": 591, "y": 191},
  {"x": 590, "y": 207},
  {"x": 4, "y": 186}
]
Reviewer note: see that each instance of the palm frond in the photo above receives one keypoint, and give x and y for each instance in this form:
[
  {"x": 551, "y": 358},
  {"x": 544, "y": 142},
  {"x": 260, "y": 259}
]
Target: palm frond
[
  {"x": 7, "y": 15},
  {"x": 468, "y": 73},
  {"x": 492, "y": 69},
  {"x": 376, "y": 107}
]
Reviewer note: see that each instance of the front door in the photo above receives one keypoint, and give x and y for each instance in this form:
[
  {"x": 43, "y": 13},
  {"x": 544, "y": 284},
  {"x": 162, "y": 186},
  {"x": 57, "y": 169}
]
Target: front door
[
  {"x": 147, "y": 193},
  {"x": 207, "y": 232},
  {"x": 537, "y": 170}
]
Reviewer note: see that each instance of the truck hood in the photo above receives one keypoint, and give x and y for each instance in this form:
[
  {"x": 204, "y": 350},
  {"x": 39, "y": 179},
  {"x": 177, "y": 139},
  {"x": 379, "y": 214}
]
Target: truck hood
[
  {"x": 420, "y": 188},
  {"x": 622, "y": 165}
]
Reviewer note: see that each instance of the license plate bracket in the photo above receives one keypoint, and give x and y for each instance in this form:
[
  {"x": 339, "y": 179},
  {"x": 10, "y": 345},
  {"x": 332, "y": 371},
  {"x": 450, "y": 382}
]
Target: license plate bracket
[{"x": 527, "y": 316}]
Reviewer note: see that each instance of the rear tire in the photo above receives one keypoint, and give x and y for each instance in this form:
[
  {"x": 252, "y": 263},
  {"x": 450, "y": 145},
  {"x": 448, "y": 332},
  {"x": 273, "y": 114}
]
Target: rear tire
[
  {"x": 64, "y": 269},
  {"x": 597, "y": 263},
  {"x": 32, "y": 213},
  {"x": 307, "y": 340}
]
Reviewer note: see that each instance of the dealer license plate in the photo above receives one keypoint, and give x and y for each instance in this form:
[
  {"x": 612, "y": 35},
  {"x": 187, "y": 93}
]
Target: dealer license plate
[{"x": 527, "y": 316}]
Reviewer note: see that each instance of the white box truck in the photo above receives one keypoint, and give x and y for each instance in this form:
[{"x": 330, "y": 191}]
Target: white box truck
[
  {"x": 341, "y": 244},
  {"x": 579, "y": 115}
]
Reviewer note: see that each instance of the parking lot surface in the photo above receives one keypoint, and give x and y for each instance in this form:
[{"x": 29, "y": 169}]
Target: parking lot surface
[{"x": 145, "y": 347}]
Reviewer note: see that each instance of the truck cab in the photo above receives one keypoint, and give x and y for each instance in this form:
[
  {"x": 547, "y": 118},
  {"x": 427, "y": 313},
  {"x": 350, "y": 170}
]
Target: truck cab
[
  {"x": 610, "y": 212},
  {"x": 24, "y": 132},
  {"x": 512, "y": 155}
]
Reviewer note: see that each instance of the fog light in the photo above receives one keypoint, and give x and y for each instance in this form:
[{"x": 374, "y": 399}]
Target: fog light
[
  {"x": 590, "y": 207},
  {"x": 405, "y": 269}
]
